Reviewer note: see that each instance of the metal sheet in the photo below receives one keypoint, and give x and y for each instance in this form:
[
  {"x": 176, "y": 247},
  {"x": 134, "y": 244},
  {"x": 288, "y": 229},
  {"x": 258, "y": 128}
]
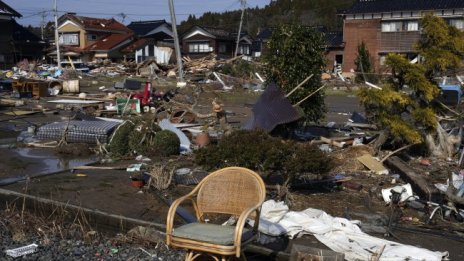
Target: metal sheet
[{"x": 271, "y": 109}]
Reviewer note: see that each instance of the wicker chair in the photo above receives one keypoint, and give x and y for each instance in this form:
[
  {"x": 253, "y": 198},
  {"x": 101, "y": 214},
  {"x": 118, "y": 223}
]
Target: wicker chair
[{"x": 232, "y": 191}]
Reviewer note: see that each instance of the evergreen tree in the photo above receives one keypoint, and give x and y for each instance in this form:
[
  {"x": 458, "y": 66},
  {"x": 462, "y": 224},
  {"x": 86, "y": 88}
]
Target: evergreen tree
[
  {"x": 363, "y": 64},
  {"x": 295, "y": 52}
]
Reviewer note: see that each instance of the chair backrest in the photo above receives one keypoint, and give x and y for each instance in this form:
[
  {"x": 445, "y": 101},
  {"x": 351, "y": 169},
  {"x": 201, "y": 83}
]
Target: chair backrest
[{"x": 230, "y": 191}]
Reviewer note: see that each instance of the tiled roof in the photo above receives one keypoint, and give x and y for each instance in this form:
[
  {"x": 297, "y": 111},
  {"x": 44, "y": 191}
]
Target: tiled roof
[
  {"x": 334, "y": 39},
  {"x": 135, "y": 45},
  {"x": 108, "y": 42},
  {"x": 101, "y": 24},
  {"x": 7, "y": 10},
  {"x": 141, "y": 28},
  {"x": 377, "y": 6}
]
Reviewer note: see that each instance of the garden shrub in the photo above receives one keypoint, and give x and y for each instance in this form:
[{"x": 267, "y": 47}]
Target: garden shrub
[
  {"x": 166, "y": 143},
  {"x": 259, "y": 151}
]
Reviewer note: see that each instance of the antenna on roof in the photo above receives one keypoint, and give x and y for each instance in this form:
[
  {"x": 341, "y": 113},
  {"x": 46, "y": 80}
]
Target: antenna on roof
[{"x": 123, "y": 16}]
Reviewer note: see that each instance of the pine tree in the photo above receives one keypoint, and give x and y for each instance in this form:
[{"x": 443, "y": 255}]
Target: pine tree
[{"x": 405, "y": 109}]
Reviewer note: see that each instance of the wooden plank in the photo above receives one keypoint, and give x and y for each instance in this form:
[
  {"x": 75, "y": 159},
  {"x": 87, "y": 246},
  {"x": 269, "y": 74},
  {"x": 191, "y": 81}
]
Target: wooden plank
[
  {"x": 372, "y": 164},
  {"x": 332, "y": 142},
  {"x": 99, "y": 167},
  {"x": 419, "y": 184},
  {"x": 19, "y": 113}
]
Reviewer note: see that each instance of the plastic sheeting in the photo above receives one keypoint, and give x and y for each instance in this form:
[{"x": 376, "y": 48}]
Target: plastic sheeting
[{"x": 339, "y": 234}]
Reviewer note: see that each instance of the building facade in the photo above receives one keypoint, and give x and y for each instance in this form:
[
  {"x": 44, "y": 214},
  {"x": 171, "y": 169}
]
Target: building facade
[
  {"x": 391, "y": 26},
  {"x": 16, "y": 42}
]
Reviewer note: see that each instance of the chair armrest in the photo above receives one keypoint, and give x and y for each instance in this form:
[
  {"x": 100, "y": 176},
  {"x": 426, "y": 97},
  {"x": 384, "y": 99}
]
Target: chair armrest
[
  {"x": 241, "y": 224},
  {"x": 172, "y": 214}
]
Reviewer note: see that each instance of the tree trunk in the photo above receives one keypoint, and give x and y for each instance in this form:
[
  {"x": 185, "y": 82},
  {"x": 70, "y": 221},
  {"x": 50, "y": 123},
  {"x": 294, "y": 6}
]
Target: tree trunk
[{"x": 383, "y": 136}]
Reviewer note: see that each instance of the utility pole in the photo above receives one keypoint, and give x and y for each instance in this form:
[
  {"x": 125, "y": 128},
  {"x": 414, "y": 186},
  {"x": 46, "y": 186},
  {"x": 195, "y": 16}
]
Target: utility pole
[
  {"x": 42, "y": 24},
  {"x": 57, "y": 44},
  {"x": 176, "y": 40},
  {"x": 243, "y": 2}
]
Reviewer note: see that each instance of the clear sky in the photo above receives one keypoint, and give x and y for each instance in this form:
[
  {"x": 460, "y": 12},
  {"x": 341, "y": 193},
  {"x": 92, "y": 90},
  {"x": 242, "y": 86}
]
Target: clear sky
[{"x": 135, "y": 10}]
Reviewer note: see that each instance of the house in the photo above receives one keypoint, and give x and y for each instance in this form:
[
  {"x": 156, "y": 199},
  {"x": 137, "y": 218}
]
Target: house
[
  {"x": 155, "y": 40},
  {"x": 259, "y": 45},
  {"x": 200, "y": 41},
  {"x": 391, "y": 26},
  {"x": 92, "y": 38},
  {"x": 16, "y": 42}
]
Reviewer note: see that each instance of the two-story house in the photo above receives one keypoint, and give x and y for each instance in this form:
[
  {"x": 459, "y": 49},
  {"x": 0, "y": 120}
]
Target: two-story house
[
  {"x": 88, "y": 38},
  {"x": 391, "y": 26},
  {"x": 200, "y": 41}
]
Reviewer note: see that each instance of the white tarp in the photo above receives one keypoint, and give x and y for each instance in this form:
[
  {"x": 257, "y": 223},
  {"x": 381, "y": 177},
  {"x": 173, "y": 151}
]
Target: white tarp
[
  {"x": 339, "y": 234},
  {"x": 163, "y": 54}
]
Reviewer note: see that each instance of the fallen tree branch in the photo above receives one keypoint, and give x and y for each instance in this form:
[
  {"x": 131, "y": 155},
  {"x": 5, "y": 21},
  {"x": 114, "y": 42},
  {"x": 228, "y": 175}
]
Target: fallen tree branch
[{"x": 396, "y": 151}]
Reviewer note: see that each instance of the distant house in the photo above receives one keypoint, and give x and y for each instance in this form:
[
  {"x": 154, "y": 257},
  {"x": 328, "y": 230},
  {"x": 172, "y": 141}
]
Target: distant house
[
  {"x": 16, "y": 42},
  {"x": 92, "y": 38},
  {"x": 155, "y": 41},
  {"x": 392, "y": 26},
  {"x": 201, "y": 41},
  {"x": 259, "y": 45}
]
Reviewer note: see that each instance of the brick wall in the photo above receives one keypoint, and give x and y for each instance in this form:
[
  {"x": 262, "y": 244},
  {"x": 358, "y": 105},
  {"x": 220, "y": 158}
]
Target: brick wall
[{"x": 356, "y": 31}]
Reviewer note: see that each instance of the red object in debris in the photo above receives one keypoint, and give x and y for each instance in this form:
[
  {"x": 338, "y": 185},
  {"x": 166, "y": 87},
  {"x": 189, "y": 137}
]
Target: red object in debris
[
  {"x": 425, "y": 162},
  {"x": 136, "y": 183},
  {"x": 145, "y": 97}
]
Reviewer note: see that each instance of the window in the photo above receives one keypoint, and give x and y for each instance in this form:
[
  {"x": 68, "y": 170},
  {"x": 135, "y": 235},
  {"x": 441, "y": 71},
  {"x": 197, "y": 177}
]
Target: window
[
  {"x": 399, "y": 26},
  {"x": 69, "y": 39},
  {"x": 199, "y": 47},
  {"x": 244, "y": 49},
  {"x": 92, "y": 37},
  {"x": 412, "y": 26},
  {"x": 392, "y": 26},
  {"x": 458, "y": 23}
]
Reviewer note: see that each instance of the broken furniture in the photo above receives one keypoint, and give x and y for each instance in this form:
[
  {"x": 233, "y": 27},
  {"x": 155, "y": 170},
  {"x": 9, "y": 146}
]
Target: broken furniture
[
  {"x": 29, "y": 89},
  {"x": 232, "y": 191}
]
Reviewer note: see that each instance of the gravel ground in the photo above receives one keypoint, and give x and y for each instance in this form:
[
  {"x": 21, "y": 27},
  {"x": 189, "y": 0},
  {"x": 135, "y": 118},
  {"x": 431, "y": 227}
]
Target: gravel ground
[{"x": 65, "y": 242}]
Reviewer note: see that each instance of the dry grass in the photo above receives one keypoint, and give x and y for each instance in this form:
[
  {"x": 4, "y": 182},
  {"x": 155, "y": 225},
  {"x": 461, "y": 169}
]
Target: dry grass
[{"x": 346, "y": 159}]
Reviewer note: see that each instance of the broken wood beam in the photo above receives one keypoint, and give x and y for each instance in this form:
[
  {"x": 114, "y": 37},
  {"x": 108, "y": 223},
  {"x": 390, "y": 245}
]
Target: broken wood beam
[
  {"x": 299, "y": 85},
  {"x": 419, "y": 184}
]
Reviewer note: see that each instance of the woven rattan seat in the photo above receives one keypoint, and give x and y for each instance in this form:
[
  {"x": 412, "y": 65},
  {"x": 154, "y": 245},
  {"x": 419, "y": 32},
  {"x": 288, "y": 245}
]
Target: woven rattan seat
[{"x": 232, "y": 191}]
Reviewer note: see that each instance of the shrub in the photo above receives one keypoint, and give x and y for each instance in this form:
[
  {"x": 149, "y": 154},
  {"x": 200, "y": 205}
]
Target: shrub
[
  {"x": 141, "y": 138},
  {"x": 119, "y": 143},
  {"x": 166, "y": 143},
  {"x": 258, "y": 150}
]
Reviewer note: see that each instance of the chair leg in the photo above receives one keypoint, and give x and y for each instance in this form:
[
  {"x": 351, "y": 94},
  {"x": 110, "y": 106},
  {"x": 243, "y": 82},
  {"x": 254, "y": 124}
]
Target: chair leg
[{"x": 189, "y": 255}]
